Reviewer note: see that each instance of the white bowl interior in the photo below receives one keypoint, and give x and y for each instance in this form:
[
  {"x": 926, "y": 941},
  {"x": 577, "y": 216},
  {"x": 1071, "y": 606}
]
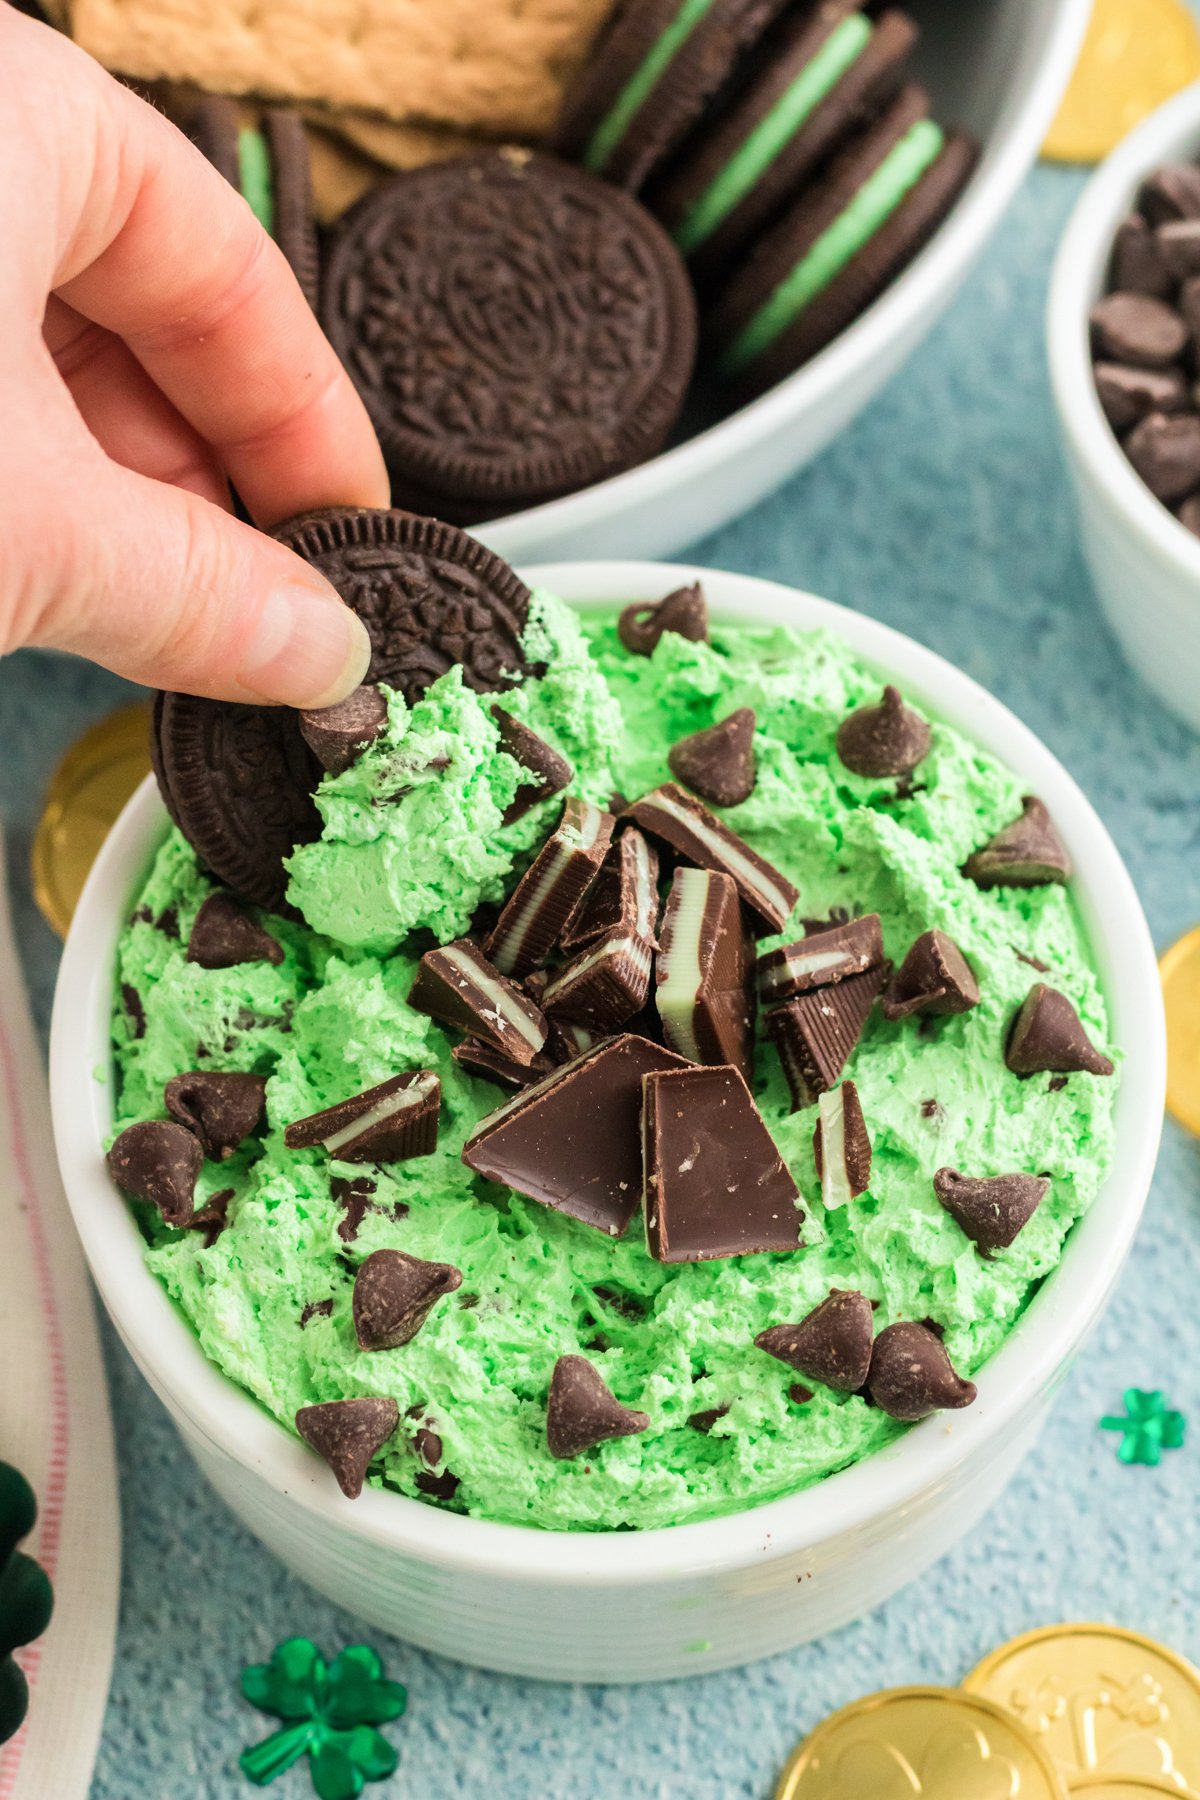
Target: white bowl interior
[{"x": 1036, "y": 1353}]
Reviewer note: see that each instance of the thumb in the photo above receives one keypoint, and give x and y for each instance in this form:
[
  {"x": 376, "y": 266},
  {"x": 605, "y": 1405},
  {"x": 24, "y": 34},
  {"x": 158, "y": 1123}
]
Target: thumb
[{"x": 165, "y": 588}]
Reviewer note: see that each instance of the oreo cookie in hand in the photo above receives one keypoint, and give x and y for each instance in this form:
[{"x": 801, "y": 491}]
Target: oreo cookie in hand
[
  {"x": 238, "y": 781},
  {"x": 271, "y": 168}
]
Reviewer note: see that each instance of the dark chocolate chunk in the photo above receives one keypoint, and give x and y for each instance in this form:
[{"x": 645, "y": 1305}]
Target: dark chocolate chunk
[
  {"x": 718, "y": 764},
  {"x": 698, "y": 836},
  {"x": 705, "y": 1420},
  {"x": 604, "y": 984},
  {"x": 438, "y": 1487},
  {"x": 624, "y": 894},
  {"x": 551, "y": 772},
  {"x": 841, "y": 1146},
  {"x": 567, "y": 1039},
  {"x": 337, "y": 735},
  {"x": 715, "y": 1183},
  {"x": 911, "y": 1375},
  {"x": 396, "y": 1120},
  {"x": 798, "y": 1394},
  {"x": 1172, "y": 192},
  {"x": 832, "y": 1344},
  {"x": 684, "y": 611},
  {"x": 572, "y": 1141},
  {"x": 168, "y": 922},
  {"x": 349, "y": 1434},
  {"x": 540, "y": 907},
  {"x": 935, "y": 977},
  {"x": 826, "y": 956},
  {"x": 158, "y": 1161},
  {"x": 354, "y": 1197},
  {"x": 428, "y": 1446},
  {"x": 459, "y": 986},
  {"x": 1048, "y": 1034},
  {"x": 882, "y": 740},
  {"x": 221, "y": 1108},
  {"x": 135, "y": 1012},
  {"x": 1165, "y": 450},
  {"x": 1136, "y": 328},
  {"x": 1137, "y": 263},
  {"x": 1128, "y": 394},
  {"x": 705, "y": 988},
  {"x": 212, "y": 1217},
  {"x": 394, "y": 1294},
  {"x": 816, "y": 1033},
  {"x": 222, "y": 936},
  {"x": 992, "y": 1209},
  {"x": 490, "y": 1064},
  {"x": 1027, "y": 853},
  {"x": 1178, "y": 244},
  {"x": 316, "y": 1309},
  {"x": 582, "y": 1411}
]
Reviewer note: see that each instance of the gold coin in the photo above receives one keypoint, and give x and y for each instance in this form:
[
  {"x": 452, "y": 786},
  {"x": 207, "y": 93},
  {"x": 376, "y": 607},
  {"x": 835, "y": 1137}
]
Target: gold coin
[
  {"x": 1180, "y": 972},
  {"x": 1102, "y": 1701},
  {"x": 1136, "y": 54},
  {"x": 87, "y": 791},
  {"x": 935, "y": 1743},
  {"x": 1122, "y": 1787}
]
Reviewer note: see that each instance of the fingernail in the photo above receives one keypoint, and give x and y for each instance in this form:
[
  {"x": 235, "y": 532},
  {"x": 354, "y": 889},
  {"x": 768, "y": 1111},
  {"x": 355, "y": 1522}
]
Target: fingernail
[{"x": 307, "y": 651}]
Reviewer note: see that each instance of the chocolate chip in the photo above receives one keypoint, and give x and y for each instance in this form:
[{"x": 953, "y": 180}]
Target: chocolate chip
[
  {"x": 1027, "y": 853},
  {"x": 887, "y": 739},
  {"x": 1178, "y": 244},
  {"x": 685, "y": 823},
  {"x": 349, "y": 1434},
  {"x": 457, "y": 985},
  {"x": 841, "y": 1128},
  {"x": 684, "y": 611},
  {"x": 912, "y": 1376},
  {"x": 1056, "y": 1084},
  {"x": 718, "y": 764},
  {"x": 316, "y": 1309},
  {"x": 1189, "y": 514},
  {"x": 1048, "y": 1034},
  {"x": 831, "y": 1344},
  {"x": 544, "y": 900},
  {"x": 354, "y": 1197},
  {"x": 815, "y": 1034},
  {"x": 704, "y": 1421},
  {"x": 135, "y": 1012},
  {"x": 158, "y": 1161},
  {"x": 222, "y": 1108},
  {"x": 392, "y": 1122},
  {"x": 825, "y": 956},
  {"x": 799, "y": 1395},
  {"x": 552, "y": 772},
  {"x": 338, "y": 735},
  {"x": 222, "y": 936},
  {"x": 1137, "y": 262},
  {"x": 1165, "y": 451},
  {"x": 1171, "y": 192},
  {"x": 394, "y": 1294},
  {"x": 1128, "y": 394},
  {"x": 582, "y": 1410},
  {"x": 992, "y": 1209},
  {"x": 1136, "y": 328},
  {"x": 705, "y": 993},
  {"x": 935, "y": 978}
]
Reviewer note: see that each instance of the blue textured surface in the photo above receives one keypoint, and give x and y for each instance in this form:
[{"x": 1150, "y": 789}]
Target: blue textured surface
[{"x": 945, "y": 512}]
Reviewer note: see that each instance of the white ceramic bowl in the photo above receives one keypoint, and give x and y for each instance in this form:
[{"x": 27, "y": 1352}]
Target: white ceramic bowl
[
  {"x": 627, "y": 1606},
  {"x": 1144, "y": 563},
  {"x": 997, "y": 67}
]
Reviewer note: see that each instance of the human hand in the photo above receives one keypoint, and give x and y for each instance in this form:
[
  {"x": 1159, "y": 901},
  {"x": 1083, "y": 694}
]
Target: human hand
[{"x": 154, "y": 347}]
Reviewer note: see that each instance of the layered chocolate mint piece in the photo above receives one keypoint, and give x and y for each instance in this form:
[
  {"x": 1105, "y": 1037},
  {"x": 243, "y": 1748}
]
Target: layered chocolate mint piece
[
  {"x": 684, "y": 611},
  {"x": 394, "y": 1294},
  {"x": 572, "y": 1141},
  {"x": 1048, "y": 1034},
  {"x": 349, "y": 1434},
  {"x": 582, "y": 1410},
  {"x": 1027, "y": 853},
  {"x": 484, "y": 1060},
  {"x": 457, "y": 985},
  {"x": 815, "y": 1034},
  {"x": 718, "y": 763},
  {"x": 624, "y": 896},
  {"x": 392, "y": 1122},
  {"x": 832, "y": 1344},
  {"x": 546, "y": 896},
  {"x": 549, "y": 772},
  {"x": 222, "y": 1108},
  {"x": 605, "y": 984},
  {"x": 715, "y": 1183},
  {"x": 698, "y": 836},
  {"x": 338, "y": 735},
  {"x": 821, "y": 959},
  {"x": 991, "y": 1209},
  {"x": 935, "y": 977},
  {"x": 705, "y": 993},
  {"x": 841, "y": 1146}
]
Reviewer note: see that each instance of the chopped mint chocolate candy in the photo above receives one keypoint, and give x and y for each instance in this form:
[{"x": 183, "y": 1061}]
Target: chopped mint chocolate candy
[
  {"x": 1048, "y": 1034},
  {"x": 158, "y": 1161},
  {"x": 841, "y": 1146},
  {"x": 389, "y": 1123},
  {"x": 605, "y": 984},
  {"x": 572, "y": 1141},
  {"x": 705, "y": 992},
  {"x": 582, "y": 1410},
  {"x": 1027, "y": 853},
  {"x": 990, "y": 1209},
  {"x": 484, "y": 1060},
  {"x": 698, "y": 836},
  {"x": 349, "y": 1434},
  {"x": 394, "y": 1294},
  {"x": 568, "y": 1039},
  {"x": 822, "y": 958},
  {"x": 338, "y": 735},
  {"x": 551, "y": 772},
  {"x": 624, "y": 894},
  {"x": 222, "y": 936},
  {"x": 935, "y": 977},
  {"x": 882, "y": 740},
  {"x": 685, "y": 612},
  {"x": 221, "y": 1108},
  {"x": 715, "y": 1183},
  {"x": 815, "y": 1034},
  {"x": 912, "y": 1376},
  {"x": 718, "y": 764},
  {"x": 541, "y": 905},
  {"x": 832, "y": 1344},
  {"x": 459, "y": 986}
]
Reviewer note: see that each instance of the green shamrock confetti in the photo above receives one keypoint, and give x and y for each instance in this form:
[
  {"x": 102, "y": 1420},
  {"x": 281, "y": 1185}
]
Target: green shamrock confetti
[
  {"x": 329, "y": 1713},
  {"x": 1148, "y": 1427}
]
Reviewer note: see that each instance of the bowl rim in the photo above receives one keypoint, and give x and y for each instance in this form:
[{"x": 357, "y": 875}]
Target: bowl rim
[
  {"x": 893, "y": 1480},
  {"x": 1076, "y": 282}
]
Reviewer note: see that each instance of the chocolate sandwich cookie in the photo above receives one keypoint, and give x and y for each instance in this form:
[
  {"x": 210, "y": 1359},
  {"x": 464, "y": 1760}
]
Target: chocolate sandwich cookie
[
  {"x": 270, "y": 168},
  {"x": 840, "y": 243},
  {"x": 516, "y": 328},
  {"x": 818, "y": 77},
  {"x": 651, "y": 77}
]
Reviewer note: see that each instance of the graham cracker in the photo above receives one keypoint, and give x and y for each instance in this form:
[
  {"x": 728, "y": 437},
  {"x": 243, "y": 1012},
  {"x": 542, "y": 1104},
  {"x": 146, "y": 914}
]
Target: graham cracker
[{"x": 405, "y": 145}]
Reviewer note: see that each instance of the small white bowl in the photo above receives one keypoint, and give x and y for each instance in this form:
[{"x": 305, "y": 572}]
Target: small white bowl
[
  {"x": 1144, "y": 563},
  {"x": 633, "y": 1606}
]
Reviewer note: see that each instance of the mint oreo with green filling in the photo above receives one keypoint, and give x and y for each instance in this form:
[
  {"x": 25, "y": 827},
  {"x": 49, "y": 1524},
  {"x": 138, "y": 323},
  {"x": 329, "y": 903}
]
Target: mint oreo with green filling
[
  {"x": 846, "y": 237},
  {"x": 270, "y": 167}
]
